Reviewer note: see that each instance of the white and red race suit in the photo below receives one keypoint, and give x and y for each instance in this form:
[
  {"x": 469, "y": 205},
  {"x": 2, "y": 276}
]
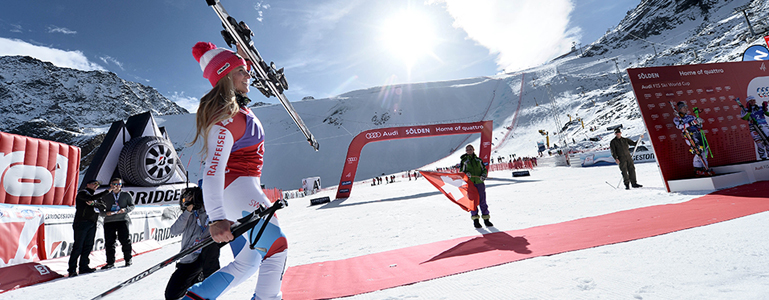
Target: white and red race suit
[{"x": 231, "y": 190}]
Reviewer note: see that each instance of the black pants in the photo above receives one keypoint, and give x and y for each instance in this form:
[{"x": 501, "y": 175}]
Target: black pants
[
  {"x": 191, "y": 273},
  {"x": 117, "y": 229},
  {"x": 85, "y": 231}
]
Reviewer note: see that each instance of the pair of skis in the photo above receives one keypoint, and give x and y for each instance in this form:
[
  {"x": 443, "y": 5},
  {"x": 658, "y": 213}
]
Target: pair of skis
[
  {"x": 242, "y": 226},
  {"x": 696, "y": 150},
  {"x": 754, "y": 123},
  {"x": 268, "y": 79}
]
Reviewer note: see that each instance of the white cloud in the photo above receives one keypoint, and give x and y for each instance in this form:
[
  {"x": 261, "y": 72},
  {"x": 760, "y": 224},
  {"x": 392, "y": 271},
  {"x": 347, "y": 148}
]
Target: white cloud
[
  {"x": 16, "y": 28},
  {"x": 522, "y": 33},
  {"x": 54, "y": 29},
  {"x": 109, "y": 59},
  {"x": 189, "y": 103},
  {"x": 58, "y": 57},
  {"x": 260, "y": 7}
]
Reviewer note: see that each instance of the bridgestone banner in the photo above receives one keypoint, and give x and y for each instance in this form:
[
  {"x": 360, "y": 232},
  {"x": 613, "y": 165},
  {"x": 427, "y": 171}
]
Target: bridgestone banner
[{"x": 147, "y": 222}]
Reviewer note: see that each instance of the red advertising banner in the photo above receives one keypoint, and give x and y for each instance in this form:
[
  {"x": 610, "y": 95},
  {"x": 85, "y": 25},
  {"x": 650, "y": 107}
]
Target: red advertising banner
[
  {"x": 21, "y": 227},
  {"x": 35, "y": 171},
  {"x": 407, "y": 132},
  {"x": 712, "y": 88}
]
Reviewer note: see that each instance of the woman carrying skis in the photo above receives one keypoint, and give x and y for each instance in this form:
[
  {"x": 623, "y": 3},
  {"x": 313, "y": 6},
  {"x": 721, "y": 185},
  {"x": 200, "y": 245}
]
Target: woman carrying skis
[
  {"x": 756, "y": 115},
  {"x": 233, "y": 142}
]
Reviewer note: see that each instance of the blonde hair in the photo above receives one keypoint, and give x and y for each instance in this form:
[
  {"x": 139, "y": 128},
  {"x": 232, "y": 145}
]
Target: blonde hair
[{"x": 217, "y": 105}]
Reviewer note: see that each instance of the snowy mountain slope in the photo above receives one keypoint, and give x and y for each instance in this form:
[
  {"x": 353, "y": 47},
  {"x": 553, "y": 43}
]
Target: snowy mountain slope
[
  {"x": 41, "y": 100},
  {"x": 335, "y": 121}
]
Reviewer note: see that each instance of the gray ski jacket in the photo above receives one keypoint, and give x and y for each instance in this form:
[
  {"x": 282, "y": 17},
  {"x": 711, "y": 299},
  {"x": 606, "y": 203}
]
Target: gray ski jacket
[{"x": 194, "y": 229}]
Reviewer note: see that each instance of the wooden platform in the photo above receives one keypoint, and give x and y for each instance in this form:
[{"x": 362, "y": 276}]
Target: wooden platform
[{"x": 726, "y": 177}]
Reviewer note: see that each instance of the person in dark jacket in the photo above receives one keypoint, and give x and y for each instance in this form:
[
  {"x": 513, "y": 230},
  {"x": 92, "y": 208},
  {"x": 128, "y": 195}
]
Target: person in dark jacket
[
  {"x": 117, "y": 206},
  {"x": 193, "y": 225},
  {"x": 473, "y": 166},
  {"x": 620, "y": 150},
  {"x": 87, "y": 205}
]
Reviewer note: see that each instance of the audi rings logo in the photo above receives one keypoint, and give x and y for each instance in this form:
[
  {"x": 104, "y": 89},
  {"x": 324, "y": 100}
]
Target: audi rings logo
[
  {"x": 373, "y": 135},
  {"x": 352, "y": 159},
  {"x": 762, "y": 92}
]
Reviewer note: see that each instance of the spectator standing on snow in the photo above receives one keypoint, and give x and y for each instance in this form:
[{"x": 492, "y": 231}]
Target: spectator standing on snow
[
  {"x": 87, "y": 205},
  {"x": 620, "y": 150},
  {"x": 118, "y": 205},
  {"x": 473, "y": 166}
]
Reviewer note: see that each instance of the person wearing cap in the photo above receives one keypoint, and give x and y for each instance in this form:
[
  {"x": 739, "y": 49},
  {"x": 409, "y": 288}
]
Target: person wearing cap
[
  {"x": 233, "y": 145},
  {"x": 87, "y": 206},
  {"x": 757, "y": 115},
  {"x": 620, "y": 150}
]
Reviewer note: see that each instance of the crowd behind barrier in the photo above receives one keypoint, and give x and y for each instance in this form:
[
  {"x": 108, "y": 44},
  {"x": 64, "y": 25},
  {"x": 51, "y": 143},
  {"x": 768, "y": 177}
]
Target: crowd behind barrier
[{"x": 273, "y": 194}]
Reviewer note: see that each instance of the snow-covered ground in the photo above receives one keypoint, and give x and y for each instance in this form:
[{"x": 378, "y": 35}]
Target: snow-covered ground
[{"x": 727, "y": 260}]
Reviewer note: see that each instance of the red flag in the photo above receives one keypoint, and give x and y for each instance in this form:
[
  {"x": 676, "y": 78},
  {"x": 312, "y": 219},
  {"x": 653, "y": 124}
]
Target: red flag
[{"x": 456, "y": 186}]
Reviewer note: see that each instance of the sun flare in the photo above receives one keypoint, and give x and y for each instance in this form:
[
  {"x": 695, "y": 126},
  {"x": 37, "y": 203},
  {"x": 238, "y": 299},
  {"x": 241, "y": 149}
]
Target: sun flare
[{"x": 408, "y": 36}]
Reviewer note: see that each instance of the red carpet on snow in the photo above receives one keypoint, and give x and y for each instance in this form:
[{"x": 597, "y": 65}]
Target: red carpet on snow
[{"x": 399, "y": 267}]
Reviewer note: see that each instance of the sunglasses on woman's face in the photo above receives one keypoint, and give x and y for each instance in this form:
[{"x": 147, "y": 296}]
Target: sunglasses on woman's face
[{"x": 117, "y": 184}]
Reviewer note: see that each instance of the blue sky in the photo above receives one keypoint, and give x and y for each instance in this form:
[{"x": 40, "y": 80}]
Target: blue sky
[{"x": 328, "y": 47}]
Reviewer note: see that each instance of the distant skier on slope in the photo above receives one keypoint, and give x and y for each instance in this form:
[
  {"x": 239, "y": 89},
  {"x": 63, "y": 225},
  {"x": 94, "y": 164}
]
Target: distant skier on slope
[
  {"x": 473, "y": 166},
  {"x": 691, "y": 127},
  {"x": 756, "y": 115}
]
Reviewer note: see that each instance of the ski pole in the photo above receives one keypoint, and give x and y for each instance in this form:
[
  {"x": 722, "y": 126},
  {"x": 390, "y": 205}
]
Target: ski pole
[
  {"x": 242, "y": 226},
  {"x": 696, "y": 111}
]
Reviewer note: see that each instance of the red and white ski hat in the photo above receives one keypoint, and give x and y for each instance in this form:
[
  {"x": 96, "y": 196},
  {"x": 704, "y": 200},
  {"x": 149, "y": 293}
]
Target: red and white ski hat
[{"x": 215, "y": 62}]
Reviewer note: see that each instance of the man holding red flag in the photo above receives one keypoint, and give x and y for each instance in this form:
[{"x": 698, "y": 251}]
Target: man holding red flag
[{"x": 473, "y": 166}]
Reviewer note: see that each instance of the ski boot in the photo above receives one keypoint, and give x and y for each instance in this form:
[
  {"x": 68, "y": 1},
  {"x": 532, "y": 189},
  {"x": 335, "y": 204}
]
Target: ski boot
[
  {"x": 476, "y": 221},
  {"x": 486, "y": 221},
  {"x": 700, "y": 172},
  {"x": 711, "y": 172}
]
